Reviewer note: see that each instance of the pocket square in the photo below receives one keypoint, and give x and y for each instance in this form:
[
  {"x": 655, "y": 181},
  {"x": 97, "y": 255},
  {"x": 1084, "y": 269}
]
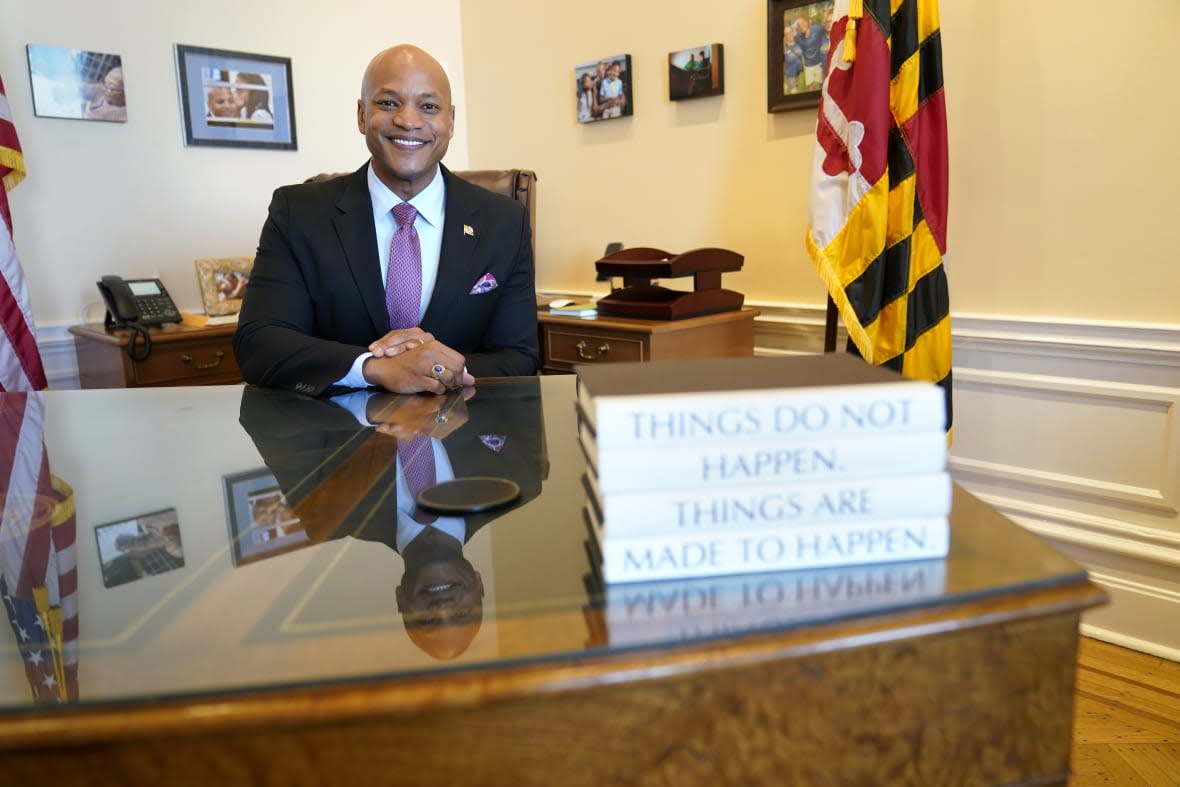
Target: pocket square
[
  {"x": 486, "y": 284},
  {"x": 495, "y": 442}
]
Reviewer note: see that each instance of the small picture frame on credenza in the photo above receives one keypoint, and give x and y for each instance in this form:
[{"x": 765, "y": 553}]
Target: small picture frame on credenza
[{"x": 223, "y": 282}]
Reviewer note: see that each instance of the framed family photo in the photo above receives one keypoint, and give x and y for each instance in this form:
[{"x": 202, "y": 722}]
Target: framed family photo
[
  {"x": 603, "y": 89},
  {"x": 235, "y": 99},
  {"x": 223, "y": 283},
  {"x": 797, "y": 47},
  {"x": 76, "y": 84},
  {"x": 696, "y": 72}
]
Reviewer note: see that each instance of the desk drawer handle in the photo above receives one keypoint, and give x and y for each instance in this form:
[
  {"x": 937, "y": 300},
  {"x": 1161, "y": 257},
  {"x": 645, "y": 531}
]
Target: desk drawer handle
[
  {"x": 219, "y": 355},
  {"x": 599, "y": 353}
]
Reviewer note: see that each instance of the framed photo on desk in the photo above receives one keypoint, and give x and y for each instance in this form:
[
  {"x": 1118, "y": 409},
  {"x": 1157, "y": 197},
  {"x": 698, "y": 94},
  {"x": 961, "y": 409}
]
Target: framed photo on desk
[{"x": 223, "y": 283}]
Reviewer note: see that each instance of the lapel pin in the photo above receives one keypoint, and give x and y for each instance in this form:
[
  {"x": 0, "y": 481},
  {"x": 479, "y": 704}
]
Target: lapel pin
[{"x": 468, "y": 231}]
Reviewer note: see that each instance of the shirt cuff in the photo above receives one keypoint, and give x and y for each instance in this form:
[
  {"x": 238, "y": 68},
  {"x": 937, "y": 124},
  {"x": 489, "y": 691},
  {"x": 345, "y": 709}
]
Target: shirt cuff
[
  {"x": 357, "y": 403},
  {"x": 355, "y": 377}
]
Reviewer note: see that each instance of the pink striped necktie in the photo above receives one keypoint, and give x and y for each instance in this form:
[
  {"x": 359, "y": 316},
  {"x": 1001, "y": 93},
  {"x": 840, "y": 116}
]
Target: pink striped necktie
[
  {"x": 403, "y": 282},
  {"x": 417, "y": 457}
]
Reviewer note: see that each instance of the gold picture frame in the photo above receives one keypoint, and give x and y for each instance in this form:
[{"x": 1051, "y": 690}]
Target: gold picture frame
[{"x": 223, "y": 281}]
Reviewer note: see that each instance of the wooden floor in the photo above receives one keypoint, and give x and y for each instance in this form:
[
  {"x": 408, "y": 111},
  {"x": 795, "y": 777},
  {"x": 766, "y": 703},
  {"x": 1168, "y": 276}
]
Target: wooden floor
[{"x": 1126, "y": 719}]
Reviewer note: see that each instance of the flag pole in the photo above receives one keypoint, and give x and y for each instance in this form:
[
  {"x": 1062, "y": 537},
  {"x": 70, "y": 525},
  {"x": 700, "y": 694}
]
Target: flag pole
[{"x": 830, "y": 326}]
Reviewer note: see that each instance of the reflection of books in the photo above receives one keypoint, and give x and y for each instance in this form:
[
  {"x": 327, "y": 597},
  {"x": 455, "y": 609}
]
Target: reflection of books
[
  {"x": 685, "y": 609},
  {"x": 678, "y": 402},
  {"x": 201, "y": 320}
]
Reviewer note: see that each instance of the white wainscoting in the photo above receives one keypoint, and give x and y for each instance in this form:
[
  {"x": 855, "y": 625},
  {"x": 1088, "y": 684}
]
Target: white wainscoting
[
  {"x": 57, "y": 356},
  {"x": 1070, "y": 428}
]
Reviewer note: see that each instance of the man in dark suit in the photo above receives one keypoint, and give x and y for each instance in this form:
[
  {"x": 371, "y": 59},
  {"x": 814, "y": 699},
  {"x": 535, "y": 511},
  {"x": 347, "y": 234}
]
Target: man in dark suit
[
  {"x": 341, "y": 465},
  {"x": 315, "y": 315}
]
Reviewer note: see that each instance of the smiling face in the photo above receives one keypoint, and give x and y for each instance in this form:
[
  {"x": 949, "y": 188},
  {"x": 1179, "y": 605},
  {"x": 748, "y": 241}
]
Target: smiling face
[
  {"x": 406, "y": 115},
  {"x": 221, "y": 103}
]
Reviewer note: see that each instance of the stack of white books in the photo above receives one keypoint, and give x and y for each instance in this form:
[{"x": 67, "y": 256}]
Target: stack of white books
[{"x": 740, "y": 465}]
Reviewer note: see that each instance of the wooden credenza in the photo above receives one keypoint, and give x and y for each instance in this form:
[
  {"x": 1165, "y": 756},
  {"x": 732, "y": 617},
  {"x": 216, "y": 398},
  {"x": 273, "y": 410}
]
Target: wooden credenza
[
  {"x": 181, "y": 355},
  {"x": 568, "y": 340}
]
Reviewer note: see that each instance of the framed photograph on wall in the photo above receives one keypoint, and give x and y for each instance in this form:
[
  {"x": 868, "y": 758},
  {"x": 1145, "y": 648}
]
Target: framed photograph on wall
[
  {"x": 696, "y": 72},
  {"x": 74, "y": 83},
  {"x": 223, "y": 283},
  {"x": 603, "y": 89},
  {"x": 235, "y": 99},
  {"x": 796, "y": 52},
  {"x": 261, "y": 525}
]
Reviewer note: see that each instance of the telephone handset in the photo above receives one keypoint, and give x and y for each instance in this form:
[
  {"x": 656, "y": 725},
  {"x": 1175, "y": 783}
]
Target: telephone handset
[
  {"x": 135, "y": 304},
  {"x": 142, "y": 301}
]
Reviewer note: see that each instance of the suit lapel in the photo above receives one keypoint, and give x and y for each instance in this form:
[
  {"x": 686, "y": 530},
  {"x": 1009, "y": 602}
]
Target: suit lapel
[
  {"x": 354, "y": 228},
  {"x": 462, "y": 229}
]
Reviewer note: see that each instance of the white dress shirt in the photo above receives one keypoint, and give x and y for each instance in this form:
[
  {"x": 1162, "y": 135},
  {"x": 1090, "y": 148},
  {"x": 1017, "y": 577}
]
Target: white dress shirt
[{"x": 430, "y": 203}]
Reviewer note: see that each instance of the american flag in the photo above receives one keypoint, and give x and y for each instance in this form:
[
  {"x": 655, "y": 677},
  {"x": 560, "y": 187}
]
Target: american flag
[
  {"x": 20, "y": 360},
  {"x": 38, "y": 560}
]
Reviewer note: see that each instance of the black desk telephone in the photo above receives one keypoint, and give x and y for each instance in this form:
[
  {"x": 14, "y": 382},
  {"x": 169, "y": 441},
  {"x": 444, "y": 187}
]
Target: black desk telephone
[
  {"x": 135, "y": 303},
  {"x": 144, "y": 301}
]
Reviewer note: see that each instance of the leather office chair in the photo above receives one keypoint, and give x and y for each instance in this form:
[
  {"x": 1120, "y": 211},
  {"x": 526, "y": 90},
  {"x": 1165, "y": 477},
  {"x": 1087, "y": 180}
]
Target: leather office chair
[{"x": 519, "y": 184}]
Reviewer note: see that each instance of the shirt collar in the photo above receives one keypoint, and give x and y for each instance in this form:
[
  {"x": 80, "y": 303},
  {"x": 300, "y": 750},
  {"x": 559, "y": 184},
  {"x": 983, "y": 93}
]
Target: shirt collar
[{"x": 429, "y": 202}]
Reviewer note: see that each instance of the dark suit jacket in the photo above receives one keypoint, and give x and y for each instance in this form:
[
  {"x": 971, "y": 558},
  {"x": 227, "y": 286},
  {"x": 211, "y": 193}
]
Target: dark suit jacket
[
  {"x": 316, "y": 300},
  {"x": 307, "y": 443}
]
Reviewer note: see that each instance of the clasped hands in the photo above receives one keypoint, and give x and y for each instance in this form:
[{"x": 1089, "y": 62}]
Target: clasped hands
[
  {"x": 410, "y": 360},
  {"x": 406, "y": 417}
]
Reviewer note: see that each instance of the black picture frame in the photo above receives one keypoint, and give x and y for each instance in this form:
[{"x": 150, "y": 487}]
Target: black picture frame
[
  {"x": 235, "y": 99},
  {"x": 781, "y": 95}
]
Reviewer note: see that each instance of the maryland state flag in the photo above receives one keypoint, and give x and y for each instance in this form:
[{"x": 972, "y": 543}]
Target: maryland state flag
[{"x": 879, "y": 186}]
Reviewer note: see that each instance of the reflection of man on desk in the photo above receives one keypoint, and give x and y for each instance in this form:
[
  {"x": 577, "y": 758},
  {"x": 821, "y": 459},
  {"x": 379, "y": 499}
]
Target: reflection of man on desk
[{"x": 349, "y": 467}]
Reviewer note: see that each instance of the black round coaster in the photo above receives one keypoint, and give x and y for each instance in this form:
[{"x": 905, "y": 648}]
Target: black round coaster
[{"x": 471, "y": 495}]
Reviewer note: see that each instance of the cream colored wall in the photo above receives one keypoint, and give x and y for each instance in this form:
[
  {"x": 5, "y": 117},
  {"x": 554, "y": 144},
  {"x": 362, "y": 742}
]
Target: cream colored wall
[
  {"x": 1061, "y": 197},
  {"x": 129, "y": 197}
]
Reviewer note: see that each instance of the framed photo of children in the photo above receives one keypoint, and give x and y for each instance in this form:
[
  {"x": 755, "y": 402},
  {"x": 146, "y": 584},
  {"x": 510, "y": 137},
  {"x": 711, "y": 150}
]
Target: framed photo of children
[
  {"x": 235, "y": 99},
  {"x": 603, "y": 89},
  {"x": 797, "y": 47}
]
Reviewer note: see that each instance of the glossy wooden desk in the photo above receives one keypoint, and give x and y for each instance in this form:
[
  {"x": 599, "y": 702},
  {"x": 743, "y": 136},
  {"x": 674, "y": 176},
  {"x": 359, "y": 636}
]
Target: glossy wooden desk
[{"x": 293, "y": 666}]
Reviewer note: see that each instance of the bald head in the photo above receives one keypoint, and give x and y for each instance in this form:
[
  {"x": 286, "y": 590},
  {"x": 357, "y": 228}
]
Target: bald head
[
  {"x": 404, "y": 55},
  {"x": 406, "y": 115}
]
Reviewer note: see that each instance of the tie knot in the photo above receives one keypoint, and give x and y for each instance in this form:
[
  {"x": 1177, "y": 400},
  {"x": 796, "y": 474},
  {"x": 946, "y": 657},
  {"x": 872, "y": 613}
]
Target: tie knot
[{"x": 405, "y": 213}]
